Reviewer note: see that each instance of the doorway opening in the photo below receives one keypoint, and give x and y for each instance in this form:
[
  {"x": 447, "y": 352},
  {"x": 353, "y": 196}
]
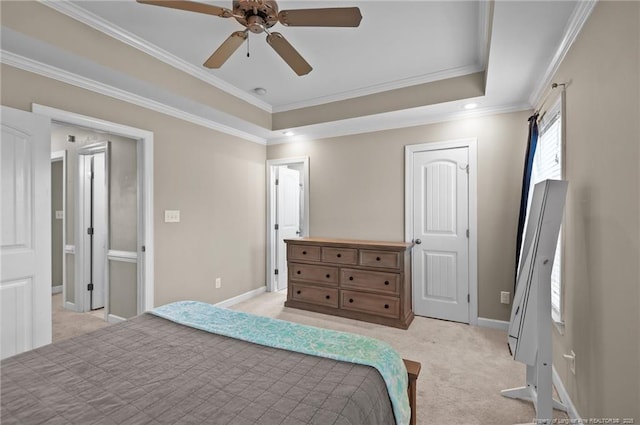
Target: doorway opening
[
  {"x": 108, "y": 235},
  {"x": 287, "y": 213}
]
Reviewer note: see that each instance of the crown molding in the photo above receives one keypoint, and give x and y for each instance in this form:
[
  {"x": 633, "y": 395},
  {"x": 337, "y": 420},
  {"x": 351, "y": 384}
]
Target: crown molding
[
  {"x": 94, "y": 21},
  {"x": 580, "y": 14},
  {"x": 382, "y": 122},
  {"x": 380, "y": 88},
  {"x": 367, "y": 124},
  {"x": 67, "y": 77},
  {"x": 485, "y": 18}
]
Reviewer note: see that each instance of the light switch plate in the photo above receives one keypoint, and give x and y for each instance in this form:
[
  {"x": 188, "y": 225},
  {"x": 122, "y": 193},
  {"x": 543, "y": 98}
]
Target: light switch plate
[
  {"x": 59, "y": 215},
  {"x": 172, "y": 216},
  {"x": 505, "y": 297}
]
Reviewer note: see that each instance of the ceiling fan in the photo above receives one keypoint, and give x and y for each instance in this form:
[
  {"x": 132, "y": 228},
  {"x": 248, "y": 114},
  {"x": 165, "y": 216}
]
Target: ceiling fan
[{"x": 258, "y": 16}]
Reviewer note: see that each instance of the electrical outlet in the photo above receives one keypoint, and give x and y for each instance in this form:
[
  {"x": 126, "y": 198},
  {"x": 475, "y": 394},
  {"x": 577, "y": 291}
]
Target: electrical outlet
[
  {"x": 505, "y": 297},
  {"x": 218, "y": 282},
  {"x": 172, "y": 216},
  {"x": 59, "y": 215}
]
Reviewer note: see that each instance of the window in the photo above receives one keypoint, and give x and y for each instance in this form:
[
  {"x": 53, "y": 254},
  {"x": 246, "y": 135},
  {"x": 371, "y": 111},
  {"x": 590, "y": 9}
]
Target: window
[{"x": 547, "y": 164}]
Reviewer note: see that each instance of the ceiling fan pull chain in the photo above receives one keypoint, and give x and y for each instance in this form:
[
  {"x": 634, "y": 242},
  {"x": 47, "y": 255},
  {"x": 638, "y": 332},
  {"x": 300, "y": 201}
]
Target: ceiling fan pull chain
[{"x": 248, "y": 38}]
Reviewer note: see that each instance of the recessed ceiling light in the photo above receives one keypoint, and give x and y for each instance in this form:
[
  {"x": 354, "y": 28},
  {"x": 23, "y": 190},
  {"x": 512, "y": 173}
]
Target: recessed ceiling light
[
  {"x": 260, "y": 91},
  {"x": 470, "y": 106},
  {"x": 288, "y": 133}
]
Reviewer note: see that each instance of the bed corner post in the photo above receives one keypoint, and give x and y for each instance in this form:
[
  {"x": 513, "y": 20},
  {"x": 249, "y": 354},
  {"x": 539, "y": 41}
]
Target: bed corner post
[{"x": 413, "y": 370}]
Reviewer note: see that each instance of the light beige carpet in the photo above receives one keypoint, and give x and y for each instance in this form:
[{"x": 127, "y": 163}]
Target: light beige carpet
[
  {"x": 463, "y": 367},
  {"x": 67, "y": 324}
]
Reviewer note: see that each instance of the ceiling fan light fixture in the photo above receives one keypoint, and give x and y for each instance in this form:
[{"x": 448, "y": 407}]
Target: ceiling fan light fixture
[
  {"x": 256, "y": 24},
  {"x": 260, "y": 91},
  {"x": 257, "y": 16}
]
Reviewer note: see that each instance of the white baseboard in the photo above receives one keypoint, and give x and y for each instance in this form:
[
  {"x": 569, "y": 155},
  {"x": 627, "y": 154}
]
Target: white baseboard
[
  {"x": 112, "y": 318},
  {"x": 493, "y": 324},
  {"x": 70, "y": 306},
  {"x": 564, "y": 397},
  {"x": 242, "y": 297},
  {"x": 56, "y": 289}
]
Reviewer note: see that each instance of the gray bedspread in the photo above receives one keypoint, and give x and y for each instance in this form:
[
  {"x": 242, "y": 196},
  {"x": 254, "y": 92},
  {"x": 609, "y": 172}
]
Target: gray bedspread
[{"x": 152, "y": 371}]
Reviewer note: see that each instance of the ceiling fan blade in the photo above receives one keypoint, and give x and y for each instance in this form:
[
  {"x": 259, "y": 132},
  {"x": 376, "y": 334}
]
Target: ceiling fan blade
[
  {"x": 329, "y": 17},
  {"x": 226, "y": 49},
  {"x": 191, "y": 7},
  {"x": 288, "y": 53}
]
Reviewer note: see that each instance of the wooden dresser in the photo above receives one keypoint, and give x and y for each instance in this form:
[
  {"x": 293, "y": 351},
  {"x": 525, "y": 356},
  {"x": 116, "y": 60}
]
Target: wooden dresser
[{"x": 361, "y": 280}]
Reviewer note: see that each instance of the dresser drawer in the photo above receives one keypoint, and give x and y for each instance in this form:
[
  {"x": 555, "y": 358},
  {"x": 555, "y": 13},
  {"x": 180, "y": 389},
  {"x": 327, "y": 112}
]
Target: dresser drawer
[
  {"x": 383, "y": 259},
  {"x": 315, "y": 295},
  {"x": 380, "y": 305},
  {"x": 303, "y": 252},
  {"x": 311, "y": 273},
  {"x": 339, "y": 255},
  {"x": 370, "y": 280}
]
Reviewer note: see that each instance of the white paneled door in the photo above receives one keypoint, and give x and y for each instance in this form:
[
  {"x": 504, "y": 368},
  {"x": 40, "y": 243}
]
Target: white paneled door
[
  {"x": 94, "y": 203},
  {"x": 288, "y": 217},
  {"x": 25, "y": 241},
  {"x": 440, "y": 226}
]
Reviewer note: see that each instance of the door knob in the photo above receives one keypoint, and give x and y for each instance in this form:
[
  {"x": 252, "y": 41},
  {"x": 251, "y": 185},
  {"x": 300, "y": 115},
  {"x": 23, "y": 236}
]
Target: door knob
[{"x": 417, "y": 241}]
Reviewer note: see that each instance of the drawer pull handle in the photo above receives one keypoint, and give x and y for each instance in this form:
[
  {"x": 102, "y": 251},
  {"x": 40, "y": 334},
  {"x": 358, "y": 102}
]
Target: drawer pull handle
[
  {"x": 386, "y": 306},
  {"x": 298, "y": 292},
  {"x": 377, "y": 258},
  {"x": 350, "y": 277},
  {"x": 350, "y": 300},
  {"x": 386, "y": 282},
  {"x": 304, "y": 252},
  {"x": 338, "y": 255},
  {"x": 328, "y": 276},
  {"x": 298, "y": 272},
  {"x": 328, "y": 297}
]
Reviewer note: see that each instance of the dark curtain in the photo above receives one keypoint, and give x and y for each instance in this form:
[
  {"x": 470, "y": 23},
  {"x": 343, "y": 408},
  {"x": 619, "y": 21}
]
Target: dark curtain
[{"x": 532, "y": 142}]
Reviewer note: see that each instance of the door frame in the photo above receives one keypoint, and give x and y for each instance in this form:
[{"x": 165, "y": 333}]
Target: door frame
[
  {"x": 272, "y": 164},
  {"x": 471, "y": 144},
  {"x": 145, "y": 252},
  {"x": 61, "y": 156}
]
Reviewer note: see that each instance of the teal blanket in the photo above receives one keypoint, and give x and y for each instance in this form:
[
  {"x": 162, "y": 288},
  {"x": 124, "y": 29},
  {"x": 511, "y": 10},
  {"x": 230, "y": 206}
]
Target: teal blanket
[{"x": 304, "y": 339}]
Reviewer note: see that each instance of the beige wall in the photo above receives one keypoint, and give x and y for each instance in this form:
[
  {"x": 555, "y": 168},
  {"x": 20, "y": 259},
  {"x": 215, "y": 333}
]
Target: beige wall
[
  {"x": 216, "y": 180},
  {"x": 123, "y": 194},
  {"x": 357, "y": 190},
  {"x": 56, "y": 224},
  {"x": 123, "y": 224},
  {"x": 602, "y": 221}
]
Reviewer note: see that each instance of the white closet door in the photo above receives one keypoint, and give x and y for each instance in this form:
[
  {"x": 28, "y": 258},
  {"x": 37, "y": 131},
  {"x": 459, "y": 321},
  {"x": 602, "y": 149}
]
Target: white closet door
[{"x": 441, "y": 217}]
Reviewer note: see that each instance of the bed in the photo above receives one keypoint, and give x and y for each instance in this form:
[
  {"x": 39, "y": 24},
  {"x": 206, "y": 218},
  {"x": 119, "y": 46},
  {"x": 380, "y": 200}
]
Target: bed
[{"x": 193, "y": 363}]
